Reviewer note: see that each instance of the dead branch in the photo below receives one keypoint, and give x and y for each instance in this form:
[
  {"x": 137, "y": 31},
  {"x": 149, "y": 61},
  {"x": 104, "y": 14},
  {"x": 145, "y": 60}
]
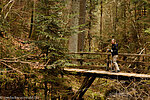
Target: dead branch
[
  {"x": 1, "y": 60},
  {"x": 9, "y": 9},
  {"x": 13, "y": 68},
  {"x": 7, "y": 5},
  {"x": 139, "y": 53}
]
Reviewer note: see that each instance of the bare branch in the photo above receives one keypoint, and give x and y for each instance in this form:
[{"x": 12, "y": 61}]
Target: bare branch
[
  {"x": 9, "y": 9},
  {"x": 7, "y": 5},
  {"x": 13, "y": 68}
]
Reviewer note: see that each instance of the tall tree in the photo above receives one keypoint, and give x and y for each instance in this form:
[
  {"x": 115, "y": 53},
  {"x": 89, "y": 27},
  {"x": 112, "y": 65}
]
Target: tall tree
[
  {"x": 73, "y": 40},
  {"x": 116, "y": 16},
  {"x": 101, "y": 17},
  {"x": 90, "y": 25},
  {"x": 81, "y": 35},
  {"x": 101, "y": 23},
  {"x": 32, "y": 18}
]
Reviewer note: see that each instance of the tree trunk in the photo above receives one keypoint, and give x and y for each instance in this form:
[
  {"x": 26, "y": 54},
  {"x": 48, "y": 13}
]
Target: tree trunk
[
  {"x": 101, "y": 24},
  {"x": 31, "y": 24},
  {"x": 101, "y": 19},
  {"x": 73, "y": 40},
  {"x": 135, "y": 15},
  {"x": 32, "y": 19},
  {"x": 125, "y": 26},
  {"x": 81, "y": 36},
  {"x": 90, "y": 25},
  {"x": 116, "y": 17}
]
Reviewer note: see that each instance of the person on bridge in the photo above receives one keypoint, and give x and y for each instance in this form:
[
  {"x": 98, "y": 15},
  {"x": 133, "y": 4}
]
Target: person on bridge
[{"x": 114, "y": 53}]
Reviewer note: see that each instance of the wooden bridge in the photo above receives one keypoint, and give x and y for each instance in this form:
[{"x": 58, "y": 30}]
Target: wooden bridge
[
  {"x": 135, "y": 66},
  {"x": 106, "y": 74},
  {"x": 138, "y": 66}
]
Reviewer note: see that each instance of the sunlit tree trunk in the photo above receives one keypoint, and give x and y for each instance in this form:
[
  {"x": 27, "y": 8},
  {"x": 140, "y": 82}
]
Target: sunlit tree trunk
[
  {"x": 101, "y": 24},
  {"x": 116, "y": 16},
  {"x": 73, "y": 40}
]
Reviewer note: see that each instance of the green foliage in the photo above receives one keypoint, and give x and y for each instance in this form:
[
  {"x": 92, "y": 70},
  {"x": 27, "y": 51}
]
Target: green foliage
[
  {"x": 48, "y": 28},
  {"x": 50, "y": 38},
  {"x": 148, "y": 31}
]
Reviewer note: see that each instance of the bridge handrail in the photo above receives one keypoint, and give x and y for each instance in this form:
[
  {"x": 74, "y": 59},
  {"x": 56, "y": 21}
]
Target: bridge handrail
[
  {"x": 99, "y": 53},
  {"x": 95, "y": 60}
]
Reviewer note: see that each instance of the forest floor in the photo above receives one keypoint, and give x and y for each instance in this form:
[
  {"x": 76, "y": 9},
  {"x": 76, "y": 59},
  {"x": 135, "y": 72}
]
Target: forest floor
[{"x": 97, "y": 91}]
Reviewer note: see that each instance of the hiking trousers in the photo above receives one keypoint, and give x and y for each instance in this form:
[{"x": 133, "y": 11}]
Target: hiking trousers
[{"x": 115, "y": 62}]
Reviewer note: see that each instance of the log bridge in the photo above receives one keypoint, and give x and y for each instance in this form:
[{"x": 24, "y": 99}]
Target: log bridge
[
  {"x": 91, "y": 65},
  {"x": 134, "y": 62}
]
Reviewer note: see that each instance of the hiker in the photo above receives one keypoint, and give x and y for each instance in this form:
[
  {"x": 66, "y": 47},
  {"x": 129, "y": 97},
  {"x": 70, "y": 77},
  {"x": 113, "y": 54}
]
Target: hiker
[{"x": 114, "y": 53}]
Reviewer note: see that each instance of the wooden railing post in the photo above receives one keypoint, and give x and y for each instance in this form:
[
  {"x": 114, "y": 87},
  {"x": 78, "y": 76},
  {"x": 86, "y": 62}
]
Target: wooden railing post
[
  {"x": 35, "y": 89},
  {"x": 46, "y": 88},
  {"x": 108, "y": 60},
  {"x": 81, "y": 61}
]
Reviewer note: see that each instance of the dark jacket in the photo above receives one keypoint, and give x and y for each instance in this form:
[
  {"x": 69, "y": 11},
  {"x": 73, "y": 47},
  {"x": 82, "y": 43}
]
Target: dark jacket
[{"x": 114, "y": 49}]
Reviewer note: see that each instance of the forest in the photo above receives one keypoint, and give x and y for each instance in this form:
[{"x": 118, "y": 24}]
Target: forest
[{"x": 58, "y": 49}]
